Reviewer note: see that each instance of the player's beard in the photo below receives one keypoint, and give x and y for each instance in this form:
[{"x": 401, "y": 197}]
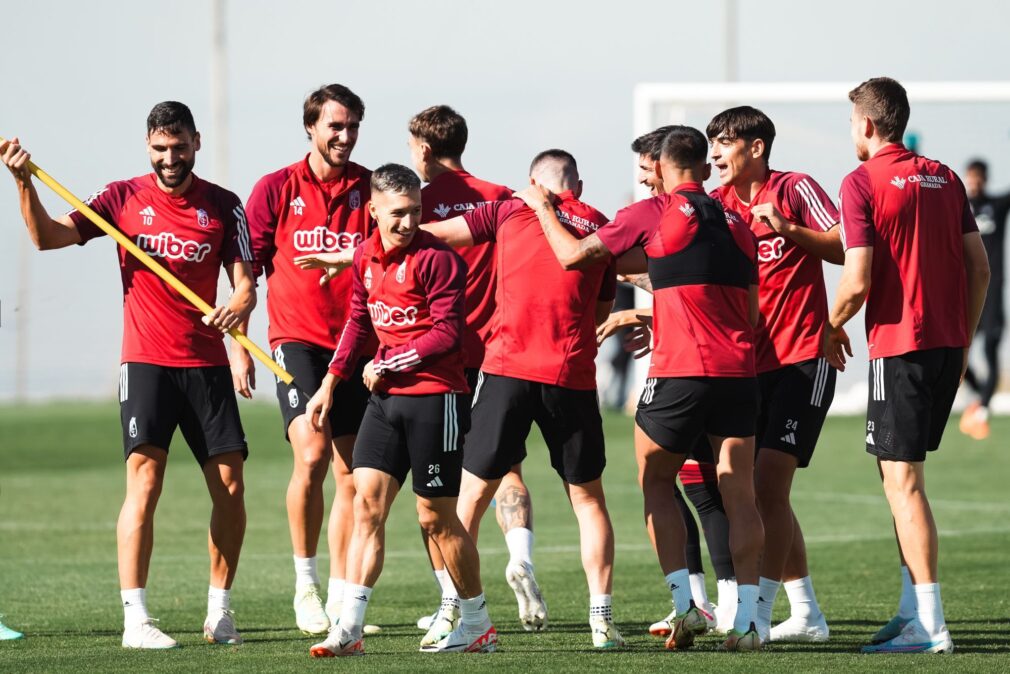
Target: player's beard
[
  {"x": 324, "y": 151},
  {"x": 185, "y": 170}
]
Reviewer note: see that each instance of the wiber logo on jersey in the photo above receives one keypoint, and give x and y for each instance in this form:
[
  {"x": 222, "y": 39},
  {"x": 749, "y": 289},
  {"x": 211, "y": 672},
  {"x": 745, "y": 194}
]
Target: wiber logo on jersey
[
  {"x": 898, "y": 182},
  {"x": 169, "y": 245},
  {"x": 687, "y": 209},
  {"x": 202, "y": 218},
  {"x": 442, "y": 210},
  {"x": 321, "y": 239},
  {"x": 576, "y": 221},
  {"x": 354, "y": 199},
  {"x": 384, "y": 316},
  {"x": 770, "y": 249},
  {"x": 297, "y": 205},
  {"x": 368, "y": 277}
]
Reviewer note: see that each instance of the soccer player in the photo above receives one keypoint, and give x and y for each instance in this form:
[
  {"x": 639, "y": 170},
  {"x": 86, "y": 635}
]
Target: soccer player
[
  {"x": 702, "y": 270},
  {"x": 795, "y": 225},
  {"x": 174, "y": 370},
  {"x": 409, "y": 287},
  {"x": 991, "y": 217},
  {"x": 437, "y": 140},
  {"x": 913, "y": 254},
  {"x": 317, "y": 204},
  {"x": 539, "y": 367},
  {"x": 699, "y": 479}
]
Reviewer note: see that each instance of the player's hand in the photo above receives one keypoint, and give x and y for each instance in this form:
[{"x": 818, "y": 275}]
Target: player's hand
[
  {"x": 317, "y": 410},
  {"x": 769, "y": 215},
  {"x": 223, "y": 319},
  {"x": 16, "y": 159},
  {"x": 639, "y": 342},
  {"x": 614, "y": 322},
  {"x": 331, "y": 263},
  {"x": 836, "y": 345},
  {"x": 243, "y": 370},
  {"x": 536, "y": 197},
  {"x": 369, "y": 376}
]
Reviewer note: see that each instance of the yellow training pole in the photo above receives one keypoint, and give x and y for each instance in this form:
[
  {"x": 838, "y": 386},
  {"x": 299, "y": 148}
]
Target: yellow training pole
[{"x": 153, "y": 265}]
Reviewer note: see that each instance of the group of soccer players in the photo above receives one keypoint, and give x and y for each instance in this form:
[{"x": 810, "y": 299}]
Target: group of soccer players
[{"x": 428, "y": 329}]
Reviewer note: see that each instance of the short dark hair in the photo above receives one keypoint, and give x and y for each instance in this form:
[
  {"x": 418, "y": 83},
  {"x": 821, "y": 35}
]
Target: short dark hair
[
  {"x": 685, "y": 146},
  {"x": 171, "y": 117},
  {"x": 556, "y": 154},
  {"x": 315, "y": 101},
  {"x": 651, "y": 144},
  {"x": 980, "y": 166},
  {"x": 395, "y": 178},
  {"x": 442, "y": 128},
  {"x": 883, "y": 100},
  {"x": 743, "y": 122}
]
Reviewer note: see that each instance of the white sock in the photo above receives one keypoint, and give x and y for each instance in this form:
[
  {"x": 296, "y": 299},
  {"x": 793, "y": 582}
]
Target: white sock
[
  {"x": 335, "y": 591},
  {"x": 727, "y": 593},
  {"x": 906, "y": 605},
  {"x": 445, "y": 581},
  {"x": 746, "y": 607},
  {"x": 520, "y": 545},
  {"x": 679, "y": 583},
  {"x": 930, "y": 609},
  {"x": 474, "y": 611},
  {"x": 134, "y": 606},
  {"x": 218, "y": 600},
  {"x": 352, "y": 612},
  {"x": 802, "y": 600},
  {"x": 767, "y": 591},
  {"x": 698, "y": 590},
  {"x": 600, "y": 605},
  {"x": 305, "y": 571}
]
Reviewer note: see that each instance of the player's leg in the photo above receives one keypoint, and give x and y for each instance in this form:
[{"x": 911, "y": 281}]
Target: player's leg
[
  {"x": 148, "y": 401},
  {"x": 990, "y": 350},
  {"x": 223, "y": 474},
  {"x": 909, "y": 410},
  {"x": 694, "y": 565},
  {"x": 514, "y": 512},
  {"x": 773, "y": 476},
  {"x": 311, "y": 453},
  {"x": 572, "y": 427},
  {"x": 701, "y": 486}
]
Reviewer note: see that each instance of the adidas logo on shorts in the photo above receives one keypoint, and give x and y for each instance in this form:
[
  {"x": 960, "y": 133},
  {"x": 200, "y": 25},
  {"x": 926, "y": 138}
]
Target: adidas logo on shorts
[
  {"x": 789, "y": 438},
  {"x": 437, "y": 482}
]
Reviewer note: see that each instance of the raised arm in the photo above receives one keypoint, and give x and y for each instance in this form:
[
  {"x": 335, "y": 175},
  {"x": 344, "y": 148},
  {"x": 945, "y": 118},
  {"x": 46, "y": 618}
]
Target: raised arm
[
  {"x": 572, "y": 253},
  {"x": 45, "y": 232},
  {"x": 453, "y": 231}
]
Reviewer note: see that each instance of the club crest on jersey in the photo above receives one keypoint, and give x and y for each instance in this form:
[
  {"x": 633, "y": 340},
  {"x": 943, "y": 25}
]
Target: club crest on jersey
[
  {"x": 368, "y": 277},
  {"x": 898, "y": 182},
  {"x": 442, "y": 210},
  {"x": 401, "y": 272},
  {"x": 293, "y": 398},
  {"x": 297, "y": 205},
  {"x": 687, "y": 209},
  {"x": 354, "y": 199},
  {"x": 202, "y": 218},
  {"x": 133, "y": 427}
]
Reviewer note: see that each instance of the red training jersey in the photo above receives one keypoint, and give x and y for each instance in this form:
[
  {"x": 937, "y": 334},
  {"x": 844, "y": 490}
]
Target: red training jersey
[
  {"x": 192, "y": 235},
  {"x": 701, "y": 264},
  {"x": 791, "y": 294},
  {"x": 454, "y": 193},
  {"x": 544, "y": 325},
  {"x": 292, "y": 213},
  {"x": 414, "y": 298},
  {"x": 914, "y": 212}
]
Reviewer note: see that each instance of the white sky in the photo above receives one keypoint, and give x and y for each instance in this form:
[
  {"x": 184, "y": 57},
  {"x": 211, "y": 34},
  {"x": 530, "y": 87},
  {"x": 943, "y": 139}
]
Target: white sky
[{"x": 79, "y": 79}]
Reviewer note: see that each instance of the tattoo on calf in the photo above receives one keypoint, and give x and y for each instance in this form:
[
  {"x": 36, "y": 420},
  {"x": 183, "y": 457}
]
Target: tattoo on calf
[{"x": 514, "y": 509}]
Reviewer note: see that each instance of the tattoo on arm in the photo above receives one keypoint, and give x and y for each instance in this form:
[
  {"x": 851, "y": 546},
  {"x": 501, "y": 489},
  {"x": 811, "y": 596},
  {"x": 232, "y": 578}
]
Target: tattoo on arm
[
  {"x": 640, "y": 280},
  {"x": 514, "y": 509},
  {"x": 592, "y": 248}
]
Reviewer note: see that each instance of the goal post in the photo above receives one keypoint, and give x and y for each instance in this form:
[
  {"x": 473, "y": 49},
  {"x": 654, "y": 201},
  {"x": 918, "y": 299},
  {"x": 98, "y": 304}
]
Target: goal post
[{"x": 660, "y": 103}]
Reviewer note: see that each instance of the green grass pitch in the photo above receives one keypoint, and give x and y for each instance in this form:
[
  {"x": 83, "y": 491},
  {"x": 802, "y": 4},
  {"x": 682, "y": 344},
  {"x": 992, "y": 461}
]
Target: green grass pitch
[{"x": 61, "y": 485}]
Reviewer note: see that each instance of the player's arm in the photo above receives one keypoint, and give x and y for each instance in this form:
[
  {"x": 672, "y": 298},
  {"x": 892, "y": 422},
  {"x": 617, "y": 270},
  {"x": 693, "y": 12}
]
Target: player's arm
[
  {"x": 331, "y": 263},
  {"x": 240, "y": 306},
  {"x": 443, "y": 274},
  {"x": 454, "y": 231},
  {"x": 976, "y": 266},
  {"x": 638, "y": 280},
  {"x": 603, "y": 309},
  {"x": 633, "y": 262},
  {"x": 853, "y": 288},
  {"x": 45, "y": 232},
  {"x": 572, "y": 253},
  {"x": 826, "y": 245}
]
